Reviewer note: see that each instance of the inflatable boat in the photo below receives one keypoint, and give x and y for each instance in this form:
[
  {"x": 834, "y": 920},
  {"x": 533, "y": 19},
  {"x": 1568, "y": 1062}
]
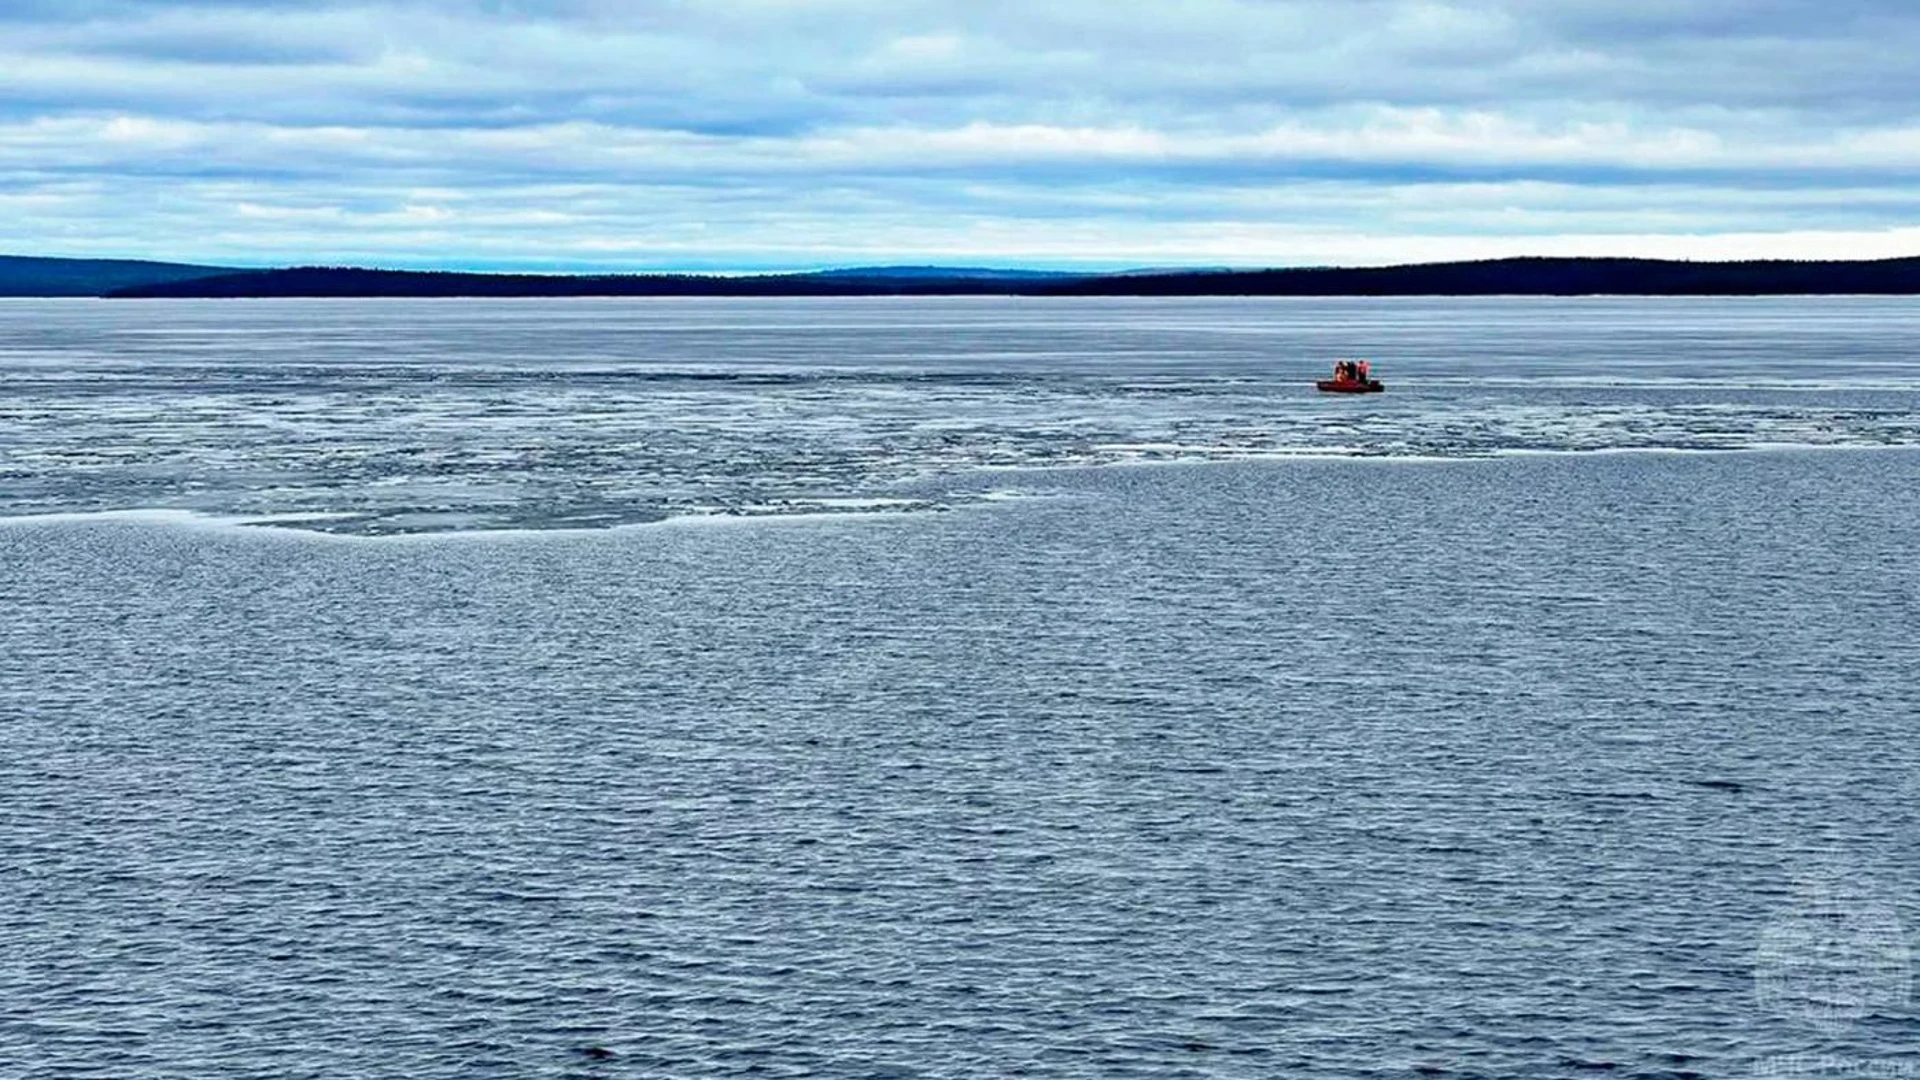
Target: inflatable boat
[{"x": 1350, "y": 386}]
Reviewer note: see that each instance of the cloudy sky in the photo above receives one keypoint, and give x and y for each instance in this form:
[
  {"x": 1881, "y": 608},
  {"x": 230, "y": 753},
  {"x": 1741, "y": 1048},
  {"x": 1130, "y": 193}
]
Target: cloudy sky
[{"x": 743, "y": 134}]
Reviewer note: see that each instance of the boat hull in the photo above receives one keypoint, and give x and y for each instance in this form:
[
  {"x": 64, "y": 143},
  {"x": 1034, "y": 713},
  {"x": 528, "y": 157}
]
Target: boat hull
[{"x": 1350, "y": 386}]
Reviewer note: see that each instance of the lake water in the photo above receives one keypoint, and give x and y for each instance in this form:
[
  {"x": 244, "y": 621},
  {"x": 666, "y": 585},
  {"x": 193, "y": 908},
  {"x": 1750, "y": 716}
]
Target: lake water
[
  {"x": 958, "y": 688},
  {"x": 381, "y": 417}
]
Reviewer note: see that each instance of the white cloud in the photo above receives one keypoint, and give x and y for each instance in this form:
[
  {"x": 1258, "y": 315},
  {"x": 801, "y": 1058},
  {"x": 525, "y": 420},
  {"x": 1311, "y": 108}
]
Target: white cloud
[
  {"x": 1374, "y": 136},
  {"x": 778, "y": 130}
]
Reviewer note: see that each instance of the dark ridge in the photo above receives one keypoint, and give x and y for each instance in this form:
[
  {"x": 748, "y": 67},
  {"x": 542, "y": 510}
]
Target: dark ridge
[
  {"x": 337, "y": 281},
  {"x": 937, "y": 273},
  {"x": 1497, "y": 277},
  {"x": 1529, "y": 277},
  {"x": 22, "y": 275}
]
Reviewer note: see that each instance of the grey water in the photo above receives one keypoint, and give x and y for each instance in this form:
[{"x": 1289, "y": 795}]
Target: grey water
[
  {"x": 408, "y": 416},
  {"x": 958, "y": 688}
]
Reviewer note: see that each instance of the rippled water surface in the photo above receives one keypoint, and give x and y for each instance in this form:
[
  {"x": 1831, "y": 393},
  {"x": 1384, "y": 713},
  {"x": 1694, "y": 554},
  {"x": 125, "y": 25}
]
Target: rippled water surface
[{"x": 915, "y": 727}]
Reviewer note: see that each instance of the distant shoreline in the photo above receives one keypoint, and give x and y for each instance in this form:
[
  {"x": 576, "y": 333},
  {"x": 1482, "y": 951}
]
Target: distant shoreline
[{"x": 124, "y": 279}]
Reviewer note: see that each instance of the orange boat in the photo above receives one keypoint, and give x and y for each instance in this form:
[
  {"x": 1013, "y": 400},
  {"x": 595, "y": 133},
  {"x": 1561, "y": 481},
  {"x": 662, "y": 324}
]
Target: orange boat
[{"x": 1351, "y": 377}]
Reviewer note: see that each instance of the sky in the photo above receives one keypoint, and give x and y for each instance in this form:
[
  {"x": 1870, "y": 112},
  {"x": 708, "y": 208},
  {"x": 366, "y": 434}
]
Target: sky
[{"x": 774, "y": 134}]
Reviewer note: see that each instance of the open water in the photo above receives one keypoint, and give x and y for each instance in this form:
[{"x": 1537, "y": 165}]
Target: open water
[{"x": 958, "y": 688}]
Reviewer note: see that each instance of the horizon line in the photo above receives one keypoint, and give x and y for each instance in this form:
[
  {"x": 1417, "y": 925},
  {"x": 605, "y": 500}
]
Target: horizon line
[{"x": 1039, "y": 267}]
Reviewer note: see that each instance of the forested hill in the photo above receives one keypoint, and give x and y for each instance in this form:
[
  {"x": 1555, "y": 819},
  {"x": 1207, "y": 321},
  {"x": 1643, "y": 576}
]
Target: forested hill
[
  {"x": 1530, "y": 277},
  {"x": 1498, "y": 277},
  {"x": 21, "y": 276},
  {"x": 26, "y": 276},
  {"x": 340, "y": 281}
]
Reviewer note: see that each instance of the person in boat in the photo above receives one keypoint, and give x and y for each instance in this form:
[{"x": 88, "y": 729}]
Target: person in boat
[{"x": 1365, "y": 375}]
